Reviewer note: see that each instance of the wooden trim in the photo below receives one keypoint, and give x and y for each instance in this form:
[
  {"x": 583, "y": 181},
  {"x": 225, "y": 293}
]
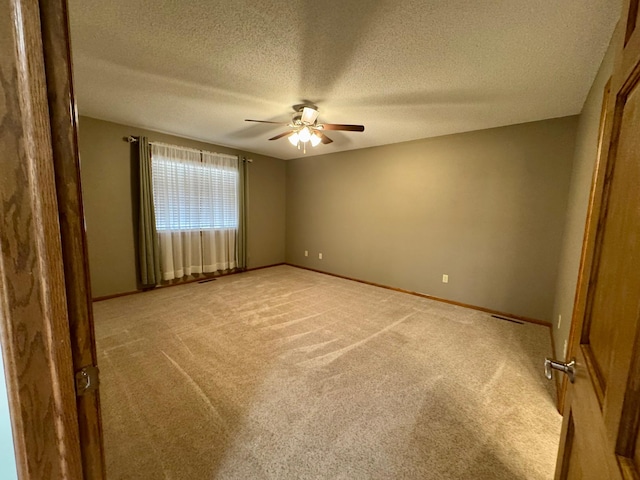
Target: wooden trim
[
  {"x": 266, "y": 266},
  {"x": 117, "y": 295},
  {"x": 431, "y": 297},
  {"x": 63, "y": 120},
  {"x": 423, "y": 295},
  {"x": 632, "y": 18},
  {"x": 34, "y": 330},
  {"x": 185, "y": 282}
]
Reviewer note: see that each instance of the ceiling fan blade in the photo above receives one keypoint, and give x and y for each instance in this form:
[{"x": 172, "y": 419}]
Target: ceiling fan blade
[
  {"x": 325, "y": 140},
  {"x": 309, "y": 115},
  {"x": 266, "y": 121},
  {"x": 338, "y": 126},
  {"x": 285, "y": 134}
]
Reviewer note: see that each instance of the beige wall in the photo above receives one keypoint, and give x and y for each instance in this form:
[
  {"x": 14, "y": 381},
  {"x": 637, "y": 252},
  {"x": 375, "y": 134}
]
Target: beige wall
[
  {"x": 487, "y": 208},
  {"x": 580, "y": 187},
  {"x": 109, "y": 205}
]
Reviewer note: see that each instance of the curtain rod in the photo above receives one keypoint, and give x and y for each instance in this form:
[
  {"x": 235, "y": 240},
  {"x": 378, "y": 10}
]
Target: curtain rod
[{"x": 132, "y": 139}]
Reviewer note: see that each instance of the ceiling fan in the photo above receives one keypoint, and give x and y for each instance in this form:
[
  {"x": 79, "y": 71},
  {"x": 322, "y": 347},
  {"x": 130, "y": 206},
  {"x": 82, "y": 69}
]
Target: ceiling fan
[{"x": 304, "y": 128}]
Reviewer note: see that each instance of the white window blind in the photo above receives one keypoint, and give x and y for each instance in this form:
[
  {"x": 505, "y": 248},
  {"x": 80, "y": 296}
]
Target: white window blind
[{"x": 194, "y": 190}]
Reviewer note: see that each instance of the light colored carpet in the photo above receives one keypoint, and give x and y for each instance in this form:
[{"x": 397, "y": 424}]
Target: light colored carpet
[{"x": 283, "y": 373}]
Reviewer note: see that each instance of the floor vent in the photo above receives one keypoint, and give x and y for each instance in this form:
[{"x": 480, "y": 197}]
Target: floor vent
[
  {"x": 508, "y": 319},
  {"x": 206, "y": 280}
]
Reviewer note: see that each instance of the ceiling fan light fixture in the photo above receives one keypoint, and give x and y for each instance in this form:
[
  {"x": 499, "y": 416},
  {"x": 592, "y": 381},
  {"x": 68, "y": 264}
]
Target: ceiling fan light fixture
[
  {"x": 304, "y": 134},
  {"x": 294, "y": 138},
  {"x": 315, "y": 139}
]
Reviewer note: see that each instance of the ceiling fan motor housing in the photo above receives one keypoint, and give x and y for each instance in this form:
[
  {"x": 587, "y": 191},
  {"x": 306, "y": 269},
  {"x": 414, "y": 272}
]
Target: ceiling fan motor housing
[
  {"x": 301, "y": 106},
  {"x": 305, "y": 127}
]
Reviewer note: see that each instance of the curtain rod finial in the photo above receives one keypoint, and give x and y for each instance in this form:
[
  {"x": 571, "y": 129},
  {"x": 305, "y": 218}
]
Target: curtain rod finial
[{"x": 130, "y": 139}]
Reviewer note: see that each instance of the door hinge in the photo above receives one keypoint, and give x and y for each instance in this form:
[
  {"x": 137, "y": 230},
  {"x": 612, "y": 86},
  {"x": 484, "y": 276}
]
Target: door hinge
[{"x": 87, "y": 380}]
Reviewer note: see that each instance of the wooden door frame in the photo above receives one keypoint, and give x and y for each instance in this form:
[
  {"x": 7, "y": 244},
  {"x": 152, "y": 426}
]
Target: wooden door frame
[
  {"x": 45, "y": 300},
  {"x": 75, "y": 253}
]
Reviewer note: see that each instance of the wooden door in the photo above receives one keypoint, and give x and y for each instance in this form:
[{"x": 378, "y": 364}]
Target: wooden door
[
  {"x": 45, "y": 301},
  {"x": 602, "y": 411}
]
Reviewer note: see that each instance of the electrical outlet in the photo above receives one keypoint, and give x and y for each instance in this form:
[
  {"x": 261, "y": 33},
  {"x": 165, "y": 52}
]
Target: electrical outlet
[
  {"x": 306, "y": 253},
  {"x": 559, "y": 320},
  {"x": 320, "y": 256},
  {"x": 445, "y": 278},
  {"x": 564, "y": 351}
]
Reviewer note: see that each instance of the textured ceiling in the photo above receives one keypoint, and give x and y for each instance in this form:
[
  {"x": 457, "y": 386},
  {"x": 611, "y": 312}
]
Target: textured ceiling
[{"x": 406, "y": 69}]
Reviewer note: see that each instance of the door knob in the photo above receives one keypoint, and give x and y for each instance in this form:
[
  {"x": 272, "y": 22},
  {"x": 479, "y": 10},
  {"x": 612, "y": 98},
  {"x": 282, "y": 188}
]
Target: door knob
[{"x": 568, "y": 368}]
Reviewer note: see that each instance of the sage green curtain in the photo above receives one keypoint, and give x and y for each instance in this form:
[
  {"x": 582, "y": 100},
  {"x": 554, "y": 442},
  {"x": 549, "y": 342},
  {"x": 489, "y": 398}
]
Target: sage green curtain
[
  {"x": 148, "y": 246},
  {"x": 241, "y": 238}
]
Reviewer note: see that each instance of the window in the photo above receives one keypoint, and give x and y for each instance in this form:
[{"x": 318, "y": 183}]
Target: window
[{"x": 194, "y": 190}]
